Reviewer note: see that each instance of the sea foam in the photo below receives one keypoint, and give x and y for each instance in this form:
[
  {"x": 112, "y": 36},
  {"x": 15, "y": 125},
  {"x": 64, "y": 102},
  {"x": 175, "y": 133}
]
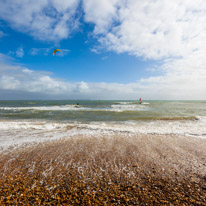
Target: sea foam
[{"x": 18, "y": 133}]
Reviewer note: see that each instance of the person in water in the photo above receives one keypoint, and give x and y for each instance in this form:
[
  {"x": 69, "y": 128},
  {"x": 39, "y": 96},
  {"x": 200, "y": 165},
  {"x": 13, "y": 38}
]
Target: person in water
[{"x": 140, "y": 100}]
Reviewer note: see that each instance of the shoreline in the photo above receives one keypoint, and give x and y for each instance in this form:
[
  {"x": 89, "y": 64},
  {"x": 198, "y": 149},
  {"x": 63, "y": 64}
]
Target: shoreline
[
  {"x": 19, "y": 133},
  {"x": 109, "y": 169}
]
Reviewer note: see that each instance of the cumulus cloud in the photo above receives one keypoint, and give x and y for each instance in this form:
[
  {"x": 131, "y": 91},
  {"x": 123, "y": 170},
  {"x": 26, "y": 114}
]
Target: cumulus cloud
[
  {"x": 169, "y": 31},
  {"x": 152, "y": 28},
  {"x": 101, "y": 13},
  {"x": 27, "y": 83},
  {"x": 20, "y": 80},
  {"x": 172, "y": 32},
  {"x": 50, "y": 20},
  {"x": 23, "y": 79},
  {"x": 20, "y": 52}
]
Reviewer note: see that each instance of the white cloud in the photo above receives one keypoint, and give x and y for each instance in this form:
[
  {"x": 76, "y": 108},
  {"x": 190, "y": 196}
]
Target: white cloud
[
  {"x": 95, "y": 51},
  {"x": 49, "y": 20},
  {"x": 18, "y": 80},
  {"x": 101, "y": 13},
  {"x": 5, "y": 58},
  {"x": 171, "y": 31},
  {"x": 20, "y": 52},
  {"x": 63, "y": 52},
  {"x": 15, "y": 79},
  {"x": 9, "y": 82},
  {"x": 152, "y": 28},
  {"x": 40, "y": 51}
]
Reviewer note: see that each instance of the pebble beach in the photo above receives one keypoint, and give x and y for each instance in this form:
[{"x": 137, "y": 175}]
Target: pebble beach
[{"x": 121, "y": 169}]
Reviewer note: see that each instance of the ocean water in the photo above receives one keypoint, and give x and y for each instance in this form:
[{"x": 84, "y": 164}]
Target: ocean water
[
  {"x": 102, "y": 111},
  {"x": 21, "y": 121}
]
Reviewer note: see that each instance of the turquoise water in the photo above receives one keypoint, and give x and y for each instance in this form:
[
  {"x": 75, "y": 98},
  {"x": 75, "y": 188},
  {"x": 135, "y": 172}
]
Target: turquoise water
[{"x": 101, "y": 111}]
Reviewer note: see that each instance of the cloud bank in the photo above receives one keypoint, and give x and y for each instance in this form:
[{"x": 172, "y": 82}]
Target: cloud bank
[
  {"x": 39, "y": 84},
  {"x": 24, "y": 83}
]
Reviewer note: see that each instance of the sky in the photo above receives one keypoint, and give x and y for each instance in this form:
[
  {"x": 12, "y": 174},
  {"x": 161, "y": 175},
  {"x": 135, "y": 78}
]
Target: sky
[{"x": 110, "y": 49}]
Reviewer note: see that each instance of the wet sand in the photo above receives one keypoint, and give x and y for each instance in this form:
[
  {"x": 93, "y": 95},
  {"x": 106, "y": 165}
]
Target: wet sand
[{"x": 106, "y": 170}]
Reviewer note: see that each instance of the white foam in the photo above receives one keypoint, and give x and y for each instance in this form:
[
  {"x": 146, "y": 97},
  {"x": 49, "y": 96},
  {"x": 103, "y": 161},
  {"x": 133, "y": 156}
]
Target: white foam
[
  {"x": 18, "y": 133},
  {"x": 124, "y": 106},
  {"x": 43, "y": 108},
  {"x": 127, "y": 107},
  {"x": 124, "y": 102},
  {"x": 26, "y": 125},
  {"x": 192, "y": 128}
]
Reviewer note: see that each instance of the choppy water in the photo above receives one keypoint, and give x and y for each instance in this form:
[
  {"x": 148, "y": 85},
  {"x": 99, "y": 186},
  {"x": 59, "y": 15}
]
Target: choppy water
[
  {"x": 103, "y": 111},
  {"x": 54, "y": 117}
]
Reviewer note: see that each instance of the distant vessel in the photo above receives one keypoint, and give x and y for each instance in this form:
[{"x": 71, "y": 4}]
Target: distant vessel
[{"x": 140, "y": 100}]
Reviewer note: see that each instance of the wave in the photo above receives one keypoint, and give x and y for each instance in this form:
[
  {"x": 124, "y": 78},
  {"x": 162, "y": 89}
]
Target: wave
[
  {"x": 44, "y": 108},
  {"x": 112, "y": 108},
  {"x": 176, "y": 118},
  {"x": 135, "y": 103},
  {"x": 178, "y": 127},
  {"x": 124, "y": 103},
  {"x": 127, "y": 107}
]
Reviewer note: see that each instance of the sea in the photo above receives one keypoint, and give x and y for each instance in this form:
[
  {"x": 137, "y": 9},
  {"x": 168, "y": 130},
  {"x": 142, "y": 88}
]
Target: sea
[{"x": 25, "y": 122}]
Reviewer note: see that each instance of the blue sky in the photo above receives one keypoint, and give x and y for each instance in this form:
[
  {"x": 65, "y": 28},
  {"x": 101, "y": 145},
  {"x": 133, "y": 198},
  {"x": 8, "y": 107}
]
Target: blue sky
[
  {"x": 79, "y": 60},
  {"x": 111, "y": 49}
]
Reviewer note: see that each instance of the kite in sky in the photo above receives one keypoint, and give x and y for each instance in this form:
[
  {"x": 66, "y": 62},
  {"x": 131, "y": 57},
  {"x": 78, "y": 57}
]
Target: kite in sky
[{"x": 56, "y": 51}]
